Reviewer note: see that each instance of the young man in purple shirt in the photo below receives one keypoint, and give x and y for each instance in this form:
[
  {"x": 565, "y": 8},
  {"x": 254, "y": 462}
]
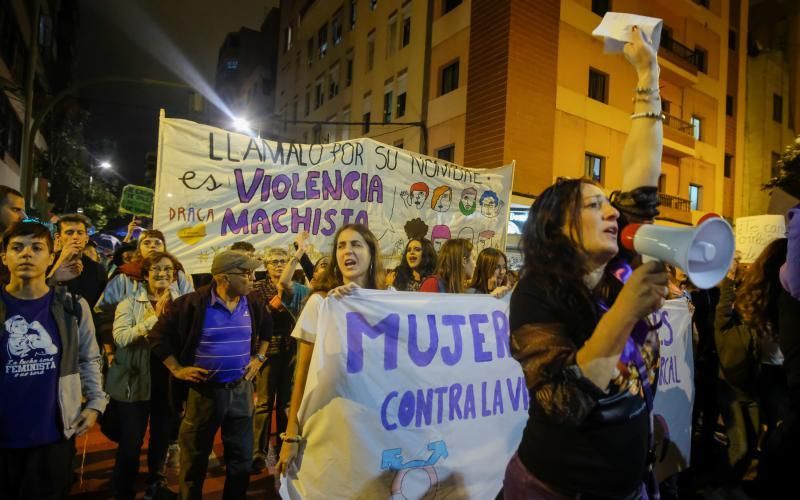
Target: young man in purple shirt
[
  {"x": 49, "y": 361},
  {"x": 213, "y": 341}
]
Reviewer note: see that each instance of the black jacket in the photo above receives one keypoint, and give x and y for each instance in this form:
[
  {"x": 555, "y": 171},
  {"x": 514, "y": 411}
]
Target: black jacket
[{"x": 177, "y": 333}]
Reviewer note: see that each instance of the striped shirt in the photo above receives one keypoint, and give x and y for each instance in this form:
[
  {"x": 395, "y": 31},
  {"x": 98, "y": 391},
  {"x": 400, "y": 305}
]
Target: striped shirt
[{"x": 224, "y": 348}]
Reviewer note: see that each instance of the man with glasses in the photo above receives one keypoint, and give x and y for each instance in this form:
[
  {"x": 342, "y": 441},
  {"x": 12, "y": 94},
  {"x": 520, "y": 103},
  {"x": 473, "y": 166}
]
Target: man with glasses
[
  {"x": 274, "y": 382},
  {"x": 213, "y": 341}
]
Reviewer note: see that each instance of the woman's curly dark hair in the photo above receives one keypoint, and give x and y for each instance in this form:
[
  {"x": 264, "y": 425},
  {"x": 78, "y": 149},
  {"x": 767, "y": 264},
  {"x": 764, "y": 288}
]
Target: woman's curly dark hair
[
  {"x": 403, "y": 274},
  {"x": 757, "y": 297},
  {"x": 558, "y": 262}
]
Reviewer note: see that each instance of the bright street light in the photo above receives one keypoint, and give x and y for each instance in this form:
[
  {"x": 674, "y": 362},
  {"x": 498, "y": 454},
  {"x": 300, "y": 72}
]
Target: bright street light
[
  {"x": 105, "y": 165},
  {"x": 241, "y": 124}
]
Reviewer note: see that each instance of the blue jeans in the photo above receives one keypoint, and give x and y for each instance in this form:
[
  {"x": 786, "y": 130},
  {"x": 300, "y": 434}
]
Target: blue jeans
[{"x": 208, "y": 407}]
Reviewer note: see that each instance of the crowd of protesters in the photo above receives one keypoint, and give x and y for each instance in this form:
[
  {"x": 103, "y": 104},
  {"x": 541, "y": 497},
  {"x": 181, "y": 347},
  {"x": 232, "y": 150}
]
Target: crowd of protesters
[{"x": 119, "y": 332}]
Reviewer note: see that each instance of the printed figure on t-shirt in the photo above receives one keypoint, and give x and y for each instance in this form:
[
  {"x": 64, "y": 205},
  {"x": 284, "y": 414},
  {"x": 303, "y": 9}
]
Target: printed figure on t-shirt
[{"x": 28, "y": 339}]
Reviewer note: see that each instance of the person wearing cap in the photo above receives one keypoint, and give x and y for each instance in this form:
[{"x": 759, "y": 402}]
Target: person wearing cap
[{"x": 214, "y": 341}]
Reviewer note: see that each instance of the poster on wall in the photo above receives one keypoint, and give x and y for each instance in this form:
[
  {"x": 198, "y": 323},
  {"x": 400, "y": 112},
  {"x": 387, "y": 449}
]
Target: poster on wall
[{"x": 215, "y": 187}]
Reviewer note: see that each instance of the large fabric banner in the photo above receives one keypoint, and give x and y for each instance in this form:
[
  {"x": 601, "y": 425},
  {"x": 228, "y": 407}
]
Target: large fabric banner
[
  {"x": 409, "y": 395},
  {"x": 672, "y": 408},
  {"x": 216, "y": 187}
]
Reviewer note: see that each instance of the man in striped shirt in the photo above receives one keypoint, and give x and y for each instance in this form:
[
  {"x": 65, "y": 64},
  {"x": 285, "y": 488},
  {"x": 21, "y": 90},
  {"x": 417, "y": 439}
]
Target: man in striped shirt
[{"x": 214, "y": 341}]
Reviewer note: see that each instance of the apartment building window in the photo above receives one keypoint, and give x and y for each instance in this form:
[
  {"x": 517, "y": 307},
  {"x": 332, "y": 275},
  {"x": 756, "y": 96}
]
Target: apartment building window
[
  {"x": 295, "y": 106},
  {"x": 310, "y": 50},
  {"x": 449, "y": 78},
  {"x": 373, "y": 4},
  {"x": 732, "y": 41},
  {"x": 406, "y": 25},
  {"x": 701, "y": 59},
  {"x": 231, "y": 64},
  {"x": 666, "y": 104},
  {"x": 774, "y": 168},
  {"x": 695, "y": 197},
  {"x": 727, "y": 167},
  {"x": 777, "y": 108},
  {"x": 402, "y": 78},
  {"x": 352, "y": 10},
  {"x": 387, "y": 101},
  {"x": 366, "y": 115},
  {"x": 333, "y": 81},
  {"x": 598, "y": 85},
  {"x": 391, "y": 37},
  {"x": 594, "y": 167},
  {"x": 447, "y": 153},
  {"x": 702, "y": 3},
  {"x": 349, "y": 72},
  {"x": 370, "y": 50},
  {"x": 729, "y": 105},
  {"x": 307, "y": 101},
  {"x": 322, "y": 40},
  {"x": 600, "y": 7},
  {"x": 448, "y": 5},
  {"x": 319, "y": 93},
  {"x": 662, "y": 183},
  {"x": 346, "y": 127},
  {"x": 697, "y": 127},
  {"x": 336, "y": 28}
]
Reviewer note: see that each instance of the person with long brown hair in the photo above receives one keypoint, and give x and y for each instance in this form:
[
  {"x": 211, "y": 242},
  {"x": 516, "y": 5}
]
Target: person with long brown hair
[
  {"x": 490, "y": 273},
  {"x": 355, "y": 262},
  {"x": 454, "y": 267},
  {"x": 419, "y": 262},
  {"x": 750, "y": 361}
]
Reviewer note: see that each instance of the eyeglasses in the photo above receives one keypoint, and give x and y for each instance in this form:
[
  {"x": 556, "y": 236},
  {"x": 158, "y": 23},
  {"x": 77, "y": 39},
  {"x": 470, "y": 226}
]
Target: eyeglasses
[
  {"x": 159, "y": 270},
  {"x": 277, "y": 262}
]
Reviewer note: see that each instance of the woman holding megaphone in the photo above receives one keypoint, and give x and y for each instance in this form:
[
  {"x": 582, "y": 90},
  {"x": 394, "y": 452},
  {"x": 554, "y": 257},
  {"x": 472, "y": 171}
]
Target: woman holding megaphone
[{"x": 580, "y": 329}]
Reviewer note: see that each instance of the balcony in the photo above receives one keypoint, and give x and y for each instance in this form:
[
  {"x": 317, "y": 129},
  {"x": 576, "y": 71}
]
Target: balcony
[
  {"x": 679, "y": 54},
  {"x": 674, "y": 208},
  {"x": 678, "y": 138}
]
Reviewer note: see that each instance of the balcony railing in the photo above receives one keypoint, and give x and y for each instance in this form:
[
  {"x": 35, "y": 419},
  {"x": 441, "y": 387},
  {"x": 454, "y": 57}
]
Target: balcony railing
[
  {"x": 678, "y": 124},
  {"x": 667, "y": 200},
  {"x": 679, "y": 49}
]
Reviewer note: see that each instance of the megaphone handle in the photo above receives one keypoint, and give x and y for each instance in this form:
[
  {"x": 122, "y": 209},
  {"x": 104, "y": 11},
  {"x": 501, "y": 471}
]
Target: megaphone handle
[{"x": 648, "y": 258}]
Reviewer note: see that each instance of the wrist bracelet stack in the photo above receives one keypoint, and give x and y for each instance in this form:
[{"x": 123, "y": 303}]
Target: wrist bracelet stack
[
  {"x": 649, "y": 114},
  {"x": 291, "y": 439}
]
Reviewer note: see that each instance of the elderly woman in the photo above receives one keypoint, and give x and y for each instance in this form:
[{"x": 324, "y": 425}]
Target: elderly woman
[{"x": 579, "y": 328}]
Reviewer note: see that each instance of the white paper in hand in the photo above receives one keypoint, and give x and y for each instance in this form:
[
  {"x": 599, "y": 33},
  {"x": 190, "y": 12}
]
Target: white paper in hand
[{"x": 617, "y": 29}]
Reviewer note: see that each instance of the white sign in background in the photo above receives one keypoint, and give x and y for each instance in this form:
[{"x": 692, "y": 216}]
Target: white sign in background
[
  {"x": 753, "y": 234},
  {"x": 216, "y": 187},
  {"x": 404, "y": 400}
]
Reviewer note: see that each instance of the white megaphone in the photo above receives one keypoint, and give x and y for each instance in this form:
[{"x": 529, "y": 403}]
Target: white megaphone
[{"x": 703, "y": 252}]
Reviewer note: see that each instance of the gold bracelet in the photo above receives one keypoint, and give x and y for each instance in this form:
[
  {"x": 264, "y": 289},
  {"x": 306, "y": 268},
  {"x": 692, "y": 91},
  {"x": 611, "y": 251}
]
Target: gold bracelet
[{"x": 291, "y": 439}]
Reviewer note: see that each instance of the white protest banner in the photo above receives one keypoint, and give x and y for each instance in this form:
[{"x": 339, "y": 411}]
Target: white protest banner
[
  {"x": 672, "y": 407},
  {"x": 216, "y": 187},
  {"x": 404, "y": 399},
  {"x": 753, "y": 234}
]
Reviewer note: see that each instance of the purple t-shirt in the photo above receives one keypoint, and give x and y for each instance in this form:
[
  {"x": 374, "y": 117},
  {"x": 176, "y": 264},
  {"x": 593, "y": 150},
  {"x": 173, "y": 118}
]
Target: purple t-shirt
[
  {"x": 30, "y": 354},
  {"x": 224, "y": 348}
]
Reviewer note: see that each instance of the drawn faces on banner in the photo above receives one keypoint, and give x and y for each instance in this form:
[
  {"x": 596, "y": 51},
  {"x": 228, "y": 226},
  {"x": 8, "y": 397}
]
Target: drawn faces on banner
[
  {"x": 469, "y": 201},
  {"x": 439, "y": 234},
  {"x": 442, "y": 198},
  {"x": 416, "y": 195},
  {"x": 490, "y": 204}
]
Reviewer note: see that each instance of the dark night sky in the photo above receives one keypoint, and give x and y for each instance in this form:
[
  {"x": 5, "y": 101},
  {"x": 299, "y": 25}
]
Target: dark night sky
[{"x": 148, "y": 39}]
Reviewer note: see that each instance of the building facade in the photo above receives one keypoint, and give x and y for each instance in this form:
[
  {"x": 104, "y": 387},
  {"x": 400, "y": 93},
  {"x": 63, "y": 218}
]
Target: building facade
[{"x": 513, "y": 80}]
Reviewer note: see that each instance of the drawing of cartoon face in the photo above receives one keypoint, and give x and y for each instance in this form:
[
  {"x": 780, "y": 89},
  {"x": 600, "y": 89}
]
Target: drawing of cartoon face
[
  {"x": 485, "y": 239},
  {"x": 469, "y": 201},
  {"x": 439, "y": 234},
  {"x": 442, "y": 198},
  {"x": 418, "y": 198},
  {"x": 490, "y": 204}
]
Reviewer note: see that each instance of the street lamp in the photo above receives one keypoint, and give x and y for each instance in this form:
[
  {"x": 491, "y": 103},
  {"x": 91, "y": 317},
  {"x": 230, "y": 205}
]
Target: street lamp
[
  {"x": 241, "y": 124},
  {"x": 105, "y": 165}
]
